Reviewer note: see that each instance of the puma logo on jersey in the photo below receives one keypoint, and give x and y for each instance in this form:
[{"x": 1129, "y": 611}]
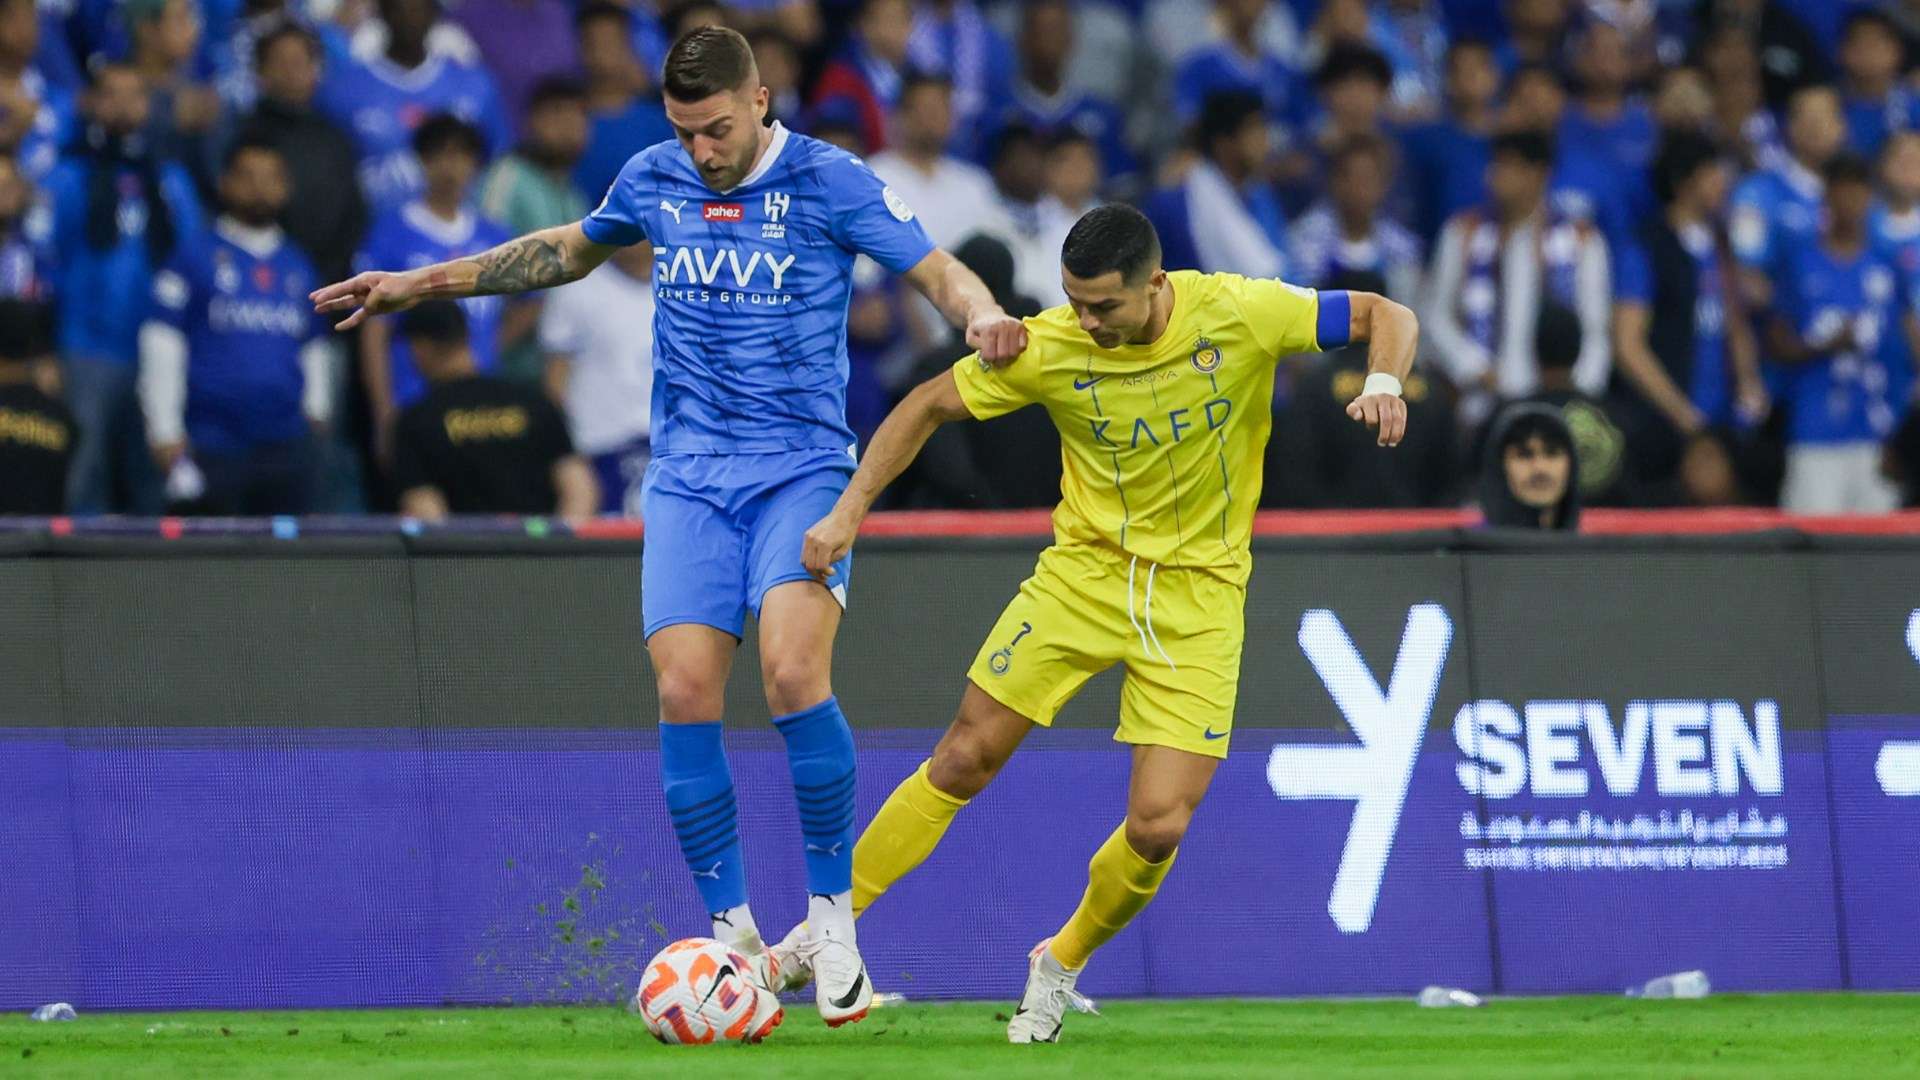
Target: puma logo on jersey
[{"x": 674, "y": 208}]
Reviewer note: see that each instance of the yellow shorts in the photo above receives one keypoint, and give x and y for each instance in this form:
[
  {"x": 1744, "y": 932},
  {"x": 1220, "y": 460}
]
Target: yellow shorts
[{"x": 1085, "y": 609}]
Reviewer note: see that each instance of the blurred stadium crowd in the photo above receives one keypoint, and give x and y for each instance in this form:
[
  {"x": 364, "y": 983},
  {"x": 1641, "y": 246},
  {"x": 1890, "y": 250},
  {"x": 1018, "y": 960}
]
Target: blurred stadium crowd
[{"x": 1690, "y": 226}]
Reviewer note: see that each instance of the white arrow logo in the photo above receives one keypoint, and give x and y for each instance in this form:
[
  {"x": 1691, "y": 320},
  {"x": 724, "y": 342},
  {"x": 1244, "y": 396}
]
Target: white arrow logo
[
  {"x": 1898, "y": 766},
  {"x": 1376, "y": 773}
]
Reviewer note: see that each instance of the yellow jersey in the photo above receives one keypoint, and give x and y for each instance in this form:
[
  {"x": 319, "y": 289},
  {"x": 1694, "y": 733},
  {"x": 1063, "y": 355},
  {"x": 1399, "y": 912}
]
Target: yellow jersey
[{"x": 1162, "y": 444}]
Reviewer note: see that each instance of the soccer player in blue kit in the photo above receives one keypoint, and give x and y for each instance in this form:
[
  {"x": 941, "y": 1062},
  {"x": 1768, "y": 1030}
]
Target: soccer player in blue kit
[{"x": 754, "y": 230}]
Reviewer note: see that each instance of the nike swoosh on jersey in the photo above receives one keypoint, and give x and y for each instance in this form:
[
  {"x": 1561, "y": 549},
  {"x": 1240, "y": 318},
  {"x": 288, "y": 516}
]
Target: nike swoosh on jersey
[
  {"x": 852, "y": 995},
  {"x": 1088, "y": 384},
  {"x": 1211, "y": 734}
]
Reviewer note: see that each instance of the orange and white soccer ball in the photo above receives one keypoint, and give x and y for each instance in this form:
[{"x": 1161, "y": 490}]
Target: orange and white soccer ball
[{"x": 697, "y": 991}]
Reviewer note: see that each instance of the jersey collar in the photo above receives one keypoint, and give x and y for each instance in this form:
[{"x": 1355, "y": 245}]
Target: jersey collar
[
  {"x": 760, "y": 171},
  {"x": 261, "y": 243}
]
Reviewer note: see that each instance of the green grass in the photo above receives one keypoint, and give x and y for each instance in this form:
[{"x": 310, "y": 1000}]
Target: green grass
[{"x": 1834, "y": 1037}]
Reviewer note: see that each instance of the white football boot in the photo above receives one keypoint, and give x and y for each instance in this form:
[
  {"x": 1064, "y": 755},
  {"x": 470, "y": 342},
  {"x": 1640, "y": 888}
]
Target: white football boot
[
  {"x": 1050, "y": 993},
  {"x": 840, "y": 985},
  {"x": 788, "y": 960}
]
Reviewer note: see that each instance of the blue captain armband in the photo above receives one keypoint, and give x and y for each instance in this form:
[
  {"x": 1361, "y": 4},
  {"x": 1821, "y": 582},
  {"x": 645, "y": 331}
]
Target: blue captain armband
[{"x": 1335, "y": 327}]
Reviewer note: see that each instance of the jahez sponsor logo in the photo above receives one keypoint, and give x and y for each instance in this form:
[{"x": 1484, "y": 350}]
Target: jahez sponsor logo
[
  {"x": 1691, "y": 749},
  {"x": 722, "y": 211}
]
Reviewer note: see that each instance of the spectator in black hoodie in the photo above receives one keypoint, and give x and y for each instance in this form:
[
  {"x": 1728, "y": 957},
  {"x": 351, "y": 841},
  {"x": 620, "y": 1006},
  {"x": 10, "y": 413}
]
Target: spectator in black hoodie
[
  {"x": 325, "y": 215},
  {"x": 1530, "y": 477}
]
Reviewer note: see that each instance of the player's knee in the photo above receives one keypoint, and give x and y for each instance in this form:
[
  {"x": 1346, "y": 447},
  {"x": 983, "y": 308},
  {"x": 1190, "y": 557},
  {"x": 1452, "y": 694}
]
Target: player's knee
[
  {"x": 1154, "y": 833},
  {"x": 690, "y": 697},
  {"x": 794, "y": 683},
  {"x": 963, "y": 765}
]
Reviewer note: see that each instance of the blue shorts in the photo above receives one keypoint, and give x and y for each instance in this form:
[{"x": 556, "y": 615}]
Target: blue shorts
[{"x": 722, "y": 529}]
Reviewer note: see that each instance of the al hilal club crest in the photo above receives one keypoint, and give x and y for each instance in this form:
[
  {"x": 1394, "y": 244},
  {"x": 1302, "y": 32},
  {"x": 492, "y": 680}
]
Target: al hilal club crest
[{"x": 1206, "y": 357}]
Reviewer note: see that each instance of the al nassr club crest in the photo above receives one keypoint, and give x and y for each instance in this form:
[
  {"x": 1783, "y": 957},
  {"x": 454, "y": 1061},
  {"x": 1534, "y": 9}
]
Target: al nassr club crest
[{"x": 1206, "y": 356}]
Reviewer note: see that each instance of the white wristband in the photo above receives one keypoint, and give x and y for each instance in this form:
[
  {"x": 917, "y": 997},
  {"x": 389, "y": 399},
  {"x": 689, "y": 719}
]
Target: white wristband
[{"x": 1380, "y": 383}]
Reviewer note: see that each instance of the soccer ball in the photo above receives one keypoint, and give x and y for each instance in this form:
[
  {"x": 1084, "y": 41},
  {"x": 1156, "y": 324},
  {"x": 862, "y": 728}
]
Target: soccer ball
[{"x": 697, "y": 991}]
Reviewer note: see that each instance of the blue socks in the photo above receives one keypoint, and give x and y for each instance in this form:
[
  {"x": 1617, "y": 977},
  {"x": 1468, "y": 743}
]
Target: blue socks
[
  {"x": 699, "y": 791},
  {"x": 820, "y": 753}
]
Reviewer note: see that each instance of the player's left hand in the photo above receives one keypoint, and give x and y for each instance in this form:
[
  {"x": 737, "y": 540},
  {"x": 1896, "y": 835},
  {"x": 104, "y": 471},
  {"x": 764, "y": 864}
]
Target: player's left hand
[
  {"x": 998, "y": 337},
  {"x": 1385, "y": 412},
  {"x": 827, "y": 542}
]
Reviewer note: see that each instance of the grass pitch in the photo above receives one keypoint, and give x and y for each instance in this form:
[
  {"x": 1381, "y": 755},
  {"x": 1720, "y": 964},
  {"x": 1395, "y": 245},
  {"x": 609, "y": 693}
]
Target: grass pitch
[{"x": 1797, "y": 1035}]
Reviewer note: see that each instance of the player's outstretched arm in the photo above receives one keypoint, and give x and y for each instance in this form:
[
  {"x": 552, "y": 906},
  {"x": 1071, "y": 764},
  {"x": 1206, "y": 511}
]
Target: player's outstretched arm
[
  {"x": 894, "y": 447},
  {"x": 1391, "y": 331},
  {"x": 537, "y": 260},
  {"x": 967, "y": 303}
]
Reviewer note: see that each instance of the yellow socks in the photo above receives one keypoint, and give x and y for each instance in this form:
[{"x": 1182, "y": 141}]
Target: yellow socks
[
  {"x": 910, "y": 823},
  {"x": 1119, "y": 884}
]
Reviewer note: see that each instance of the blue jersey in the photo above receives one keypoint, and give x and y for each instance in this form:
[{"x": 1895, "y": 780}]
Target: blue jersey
[
  {"x": 1872, "y": 121},
  {"x": 52, "y": 129},
  {"x": 1897, "y": 236},
  {"x": 1624, "y": 147},
  {"x": 613, "y": 138},
  {"x": 1068, "y": 111},
  {"x": 117, "y": 282},
  {"x": 1774, "y": 210},
  {"x": 382, "y": 104},
  {"x": 412, "y": 237},
  {"x": 246, "y": 316},
  {"x": 1222, "y": 69},
  {"x": 1845, "y": 396},
  {"x": 752, "y": 286},
  {"x": 1710, "y": 386},
  {"x": 1446, "y": 172}
]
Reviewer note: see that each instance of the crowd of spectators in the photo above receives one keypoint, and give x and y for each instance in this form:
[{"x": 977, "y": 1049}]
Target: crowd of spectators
[{"x": 1678, "y": 239}]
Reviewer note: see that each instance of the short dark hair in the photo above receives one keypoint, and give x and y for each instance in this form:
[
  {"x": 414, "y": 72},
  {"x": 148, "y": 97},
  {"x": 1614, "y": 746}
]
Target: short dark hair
[
  {"x": 1682, "y": 157},
  {"x": 594, "y": 10},
  {"x": 443, "y": 131},
  {"x": 1072, "y": 136},
  {"x": 1109, "y": 238},
  {"x": 921, "y": 79},
  {"x": 247, "y": 144},
  {"x": 556, "y": 90},
  {"x": 26, "y": 330},
  {"x": 1557, "y": 338},
  {"x": 1848, "y": 168},
  {"x": 1011, "y": 137},
  {"x": 1533, "y": 147},
  {"x": 1537, "y": 421},
  {"x": 440, "y": 322},
  {"x": 1344, "y": 62},
  {"x": 281, "y": 31},
  {"x": 1223, "y": 115},
  {"x": 1862, "y": 16},
  {"x": 708, "y": 61}
]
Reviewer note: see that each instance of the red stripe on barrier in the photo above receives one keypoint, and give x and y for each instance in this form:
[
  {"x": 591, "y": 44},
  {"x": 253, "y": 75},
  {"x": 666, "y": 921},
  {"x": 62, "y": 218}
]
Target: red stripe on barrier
[{"x": 1039, "y": 523}]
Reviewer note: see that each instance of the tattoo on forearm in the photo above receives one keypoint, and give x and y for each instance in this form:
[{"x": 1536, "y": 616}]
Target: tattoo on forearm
[{"x": 530, "y": 262}]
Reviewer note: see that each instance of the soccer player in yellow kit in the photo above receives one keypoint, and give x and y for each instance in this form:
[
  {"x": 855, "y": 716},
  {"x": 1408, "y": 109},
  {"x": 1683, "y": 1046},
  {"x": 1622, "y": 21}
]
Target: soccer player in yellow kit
[{"x": 1161, "y": 385}]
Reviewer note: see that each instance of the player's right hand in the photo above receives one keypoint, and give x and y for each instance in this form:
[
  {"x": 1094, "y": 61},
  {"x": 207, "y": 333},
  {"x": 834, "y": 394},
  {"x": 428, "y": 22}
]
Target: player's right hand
[
  {"x": 375, "y": 292},
  {"x": 828, "y": 541}
]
